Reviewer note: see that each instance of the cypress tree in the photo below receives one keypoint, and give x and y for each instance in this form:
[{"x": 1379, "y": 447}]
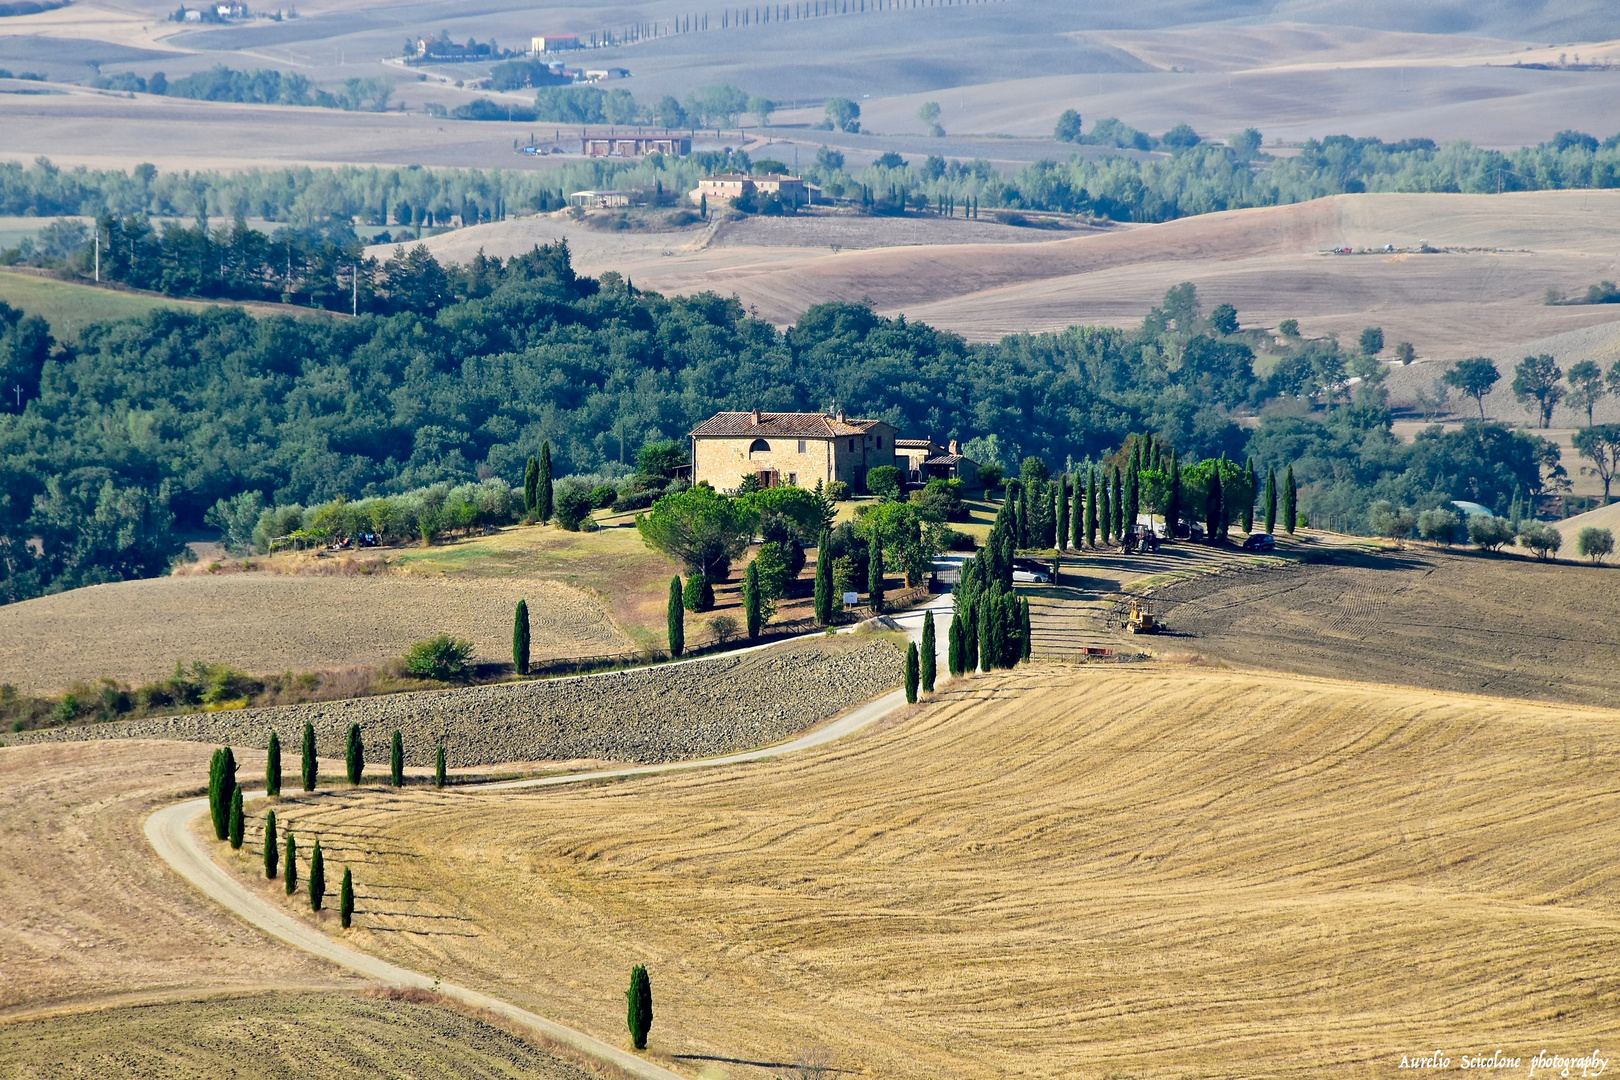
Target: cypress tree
[
  {"x": 289, "y": 876},
  {"x": 987, "y": 643},
  {"x": 1172, "y": 502},
  {"x": 675, "y": 618},
  {"x": 542, "y": 487},
  {"x": 438, "y": 767},
  {"x": 824, "y": 580},
  {"x": 751, "y": 608},
  {"x": 1214, "y": 515},
  {"x": 640, "y": 1012},
  {"x": 396, "y": 760},
  {"x": 1251, "y": 483},
  {"x": 317, "y": 878},
  {"x": 1105, "y": 513},
  {"x": 1024, "y": 635},
  {"x": 520, "y": 638},
  {"x": 1118, "y": 503},
  {"x": 1091, "y": 508},
  {"x": 1133, "y": 498},
  {"x": 953, "y": 653},
  {"x": 272, "y": 767},
  {"x": 874, "y": 575},
  {"x": 354, "y": 756},
  {"x": 531, "y": 484},
  {"x": 1077, "y": 520},
  {"x": 271, "y": 853},
  {"x": 236, "y": 824},
  {"x": 310, "y": 764},
  {"x": 1060, "y": 513},
  {"x": 911, "y": 672},
  {"x": 1021, "y": 528},
  {"x": 930, "y": 653},
  {"x": 970, "y": 638},
  {"x": 1271, "y": 499},
  {"x": 1290, "y": 501},
  {"x": 346, "y": 899},
  {"x": 216, "y": 784}
]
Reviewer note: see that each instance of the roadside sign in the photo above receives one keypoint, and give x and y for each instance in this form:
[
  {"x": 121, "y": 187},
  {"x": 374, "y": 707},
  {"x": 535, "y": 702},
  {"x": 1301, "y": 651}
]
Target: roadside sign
[{"x": 851, "y": 599}]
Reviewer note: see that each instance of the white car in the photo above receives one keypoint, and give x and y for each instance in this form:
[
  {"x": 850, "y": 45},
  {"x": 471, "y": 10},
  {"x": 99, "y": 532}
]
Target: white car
[{"x": 1030, "y": 571}]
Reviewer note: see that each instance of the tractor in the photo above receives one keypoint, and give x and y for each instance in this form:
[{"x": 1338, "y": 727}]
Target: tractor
[{"x": 1142, "y": 619}]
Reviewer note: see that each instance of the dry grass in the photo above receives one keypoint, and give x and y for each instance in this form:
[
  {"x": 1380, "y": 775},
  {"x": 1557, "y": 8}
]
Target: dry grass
[{"x": 1056, "y": 872}]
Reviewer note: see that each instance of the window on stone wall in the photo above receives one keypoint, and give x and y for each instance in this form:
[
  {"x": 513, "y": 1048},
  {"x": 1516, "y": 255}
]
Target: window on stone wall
[
  {"x": 759, "y": 446},
  {"x": 802, "y": 446}
]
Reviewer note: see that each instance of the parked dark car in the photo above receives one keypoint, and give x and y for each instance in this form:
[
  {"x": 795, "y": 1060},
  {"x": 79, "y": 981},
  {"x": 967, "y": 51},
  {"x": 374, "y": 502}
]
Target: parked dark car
[
  {"x": 1189, "y": 530},
  {"x": 1260, "y": 542}
]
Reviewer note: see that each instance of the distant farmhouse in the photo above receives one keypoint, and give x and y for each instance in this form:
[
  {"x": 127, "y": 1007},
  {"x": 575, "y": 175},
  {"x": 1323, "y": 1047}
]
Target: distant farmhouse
[
  {"x": 726, "y": 186},
  {"x": 606, "y": 200},
  {"x": 554, "y": 43},
  {"x": 625, "y": 146}
]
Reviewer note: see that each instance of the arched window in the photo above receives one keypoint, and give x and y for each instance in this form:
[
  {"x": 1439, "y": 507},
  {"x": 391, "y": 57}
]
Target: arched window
[{"x": 759, "y": 445}]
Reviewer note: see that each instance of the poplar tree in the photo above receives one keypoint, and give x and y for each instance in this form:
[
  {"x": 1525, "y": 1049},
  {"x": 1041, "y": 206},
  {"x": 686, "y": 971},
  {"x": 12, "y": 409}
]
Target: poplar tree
[
  {"x": 272, "y": 766},
  {"x": 1091, "y": 508},
  {"x": 1271, "y": 499},
  {"x": 317, "y": 878},
  {"x": 355, "y": 755},
  {"x": 1250, "y": 484},
  {"x": 911, "y": 672},
  {"x": 396, "y": 760},
  {"x": 640, "y": 1011},
  {"x": 542, "y": 487},
  {"x": 438, "y": 767},
  {"x": 930, "y": 653},
  {"x": 346, "y": 899},
  {"x": 520, "y": 638},
  {"x": 290, "y": 874},
  {"x": 311, "y": 766},
  {"x": 1290, "y": 501},
  {"x": 953, "y": 647},
  {"x": 271, "y": 852},
  {"x": 874, "y": 576},
  {"x": 675, "y": 618},
  {"x": 824, "y": 580},
  {"x": 531, "y": 484},
  {"x": 236, "y": 825},
  {"x": 751, "y": 599}
]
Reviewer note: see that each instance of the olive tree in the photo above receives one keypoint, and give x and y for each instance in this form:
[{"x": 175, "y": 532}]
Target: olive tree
[
  {"x": 1595, "y": 544},
  {"x": 1540, "y": 538}
]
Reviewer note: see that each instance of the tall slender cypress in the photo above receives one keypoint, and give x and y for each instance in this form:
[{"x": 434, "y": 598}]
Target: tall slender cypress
[
  {"x": 1172, "y": 501},
  {"x": 221, "y": 786},
  {"x": 346, "y": 899},
  {"x": 970, "y": 638},
  {"x": 1133, "y": 498},
  {"x": 639, "y": 1011},
  {"x": 1118, "y": 503},
  {"x": 987, "y": 643},
  {"x": 1021, "y": 530},
  {"x": 354, "y": 755},
  {"x": 289, "y": 874},
  {"x": 311, "y": 766},
  {"x": 438, "y": 767},
  {"x": 912, "y": 674},
  {"x": 1060, "y": 513},
  {"x": 1091, "y": 508},
  {"x": 531, "y": 484},
  {"x": 1250, "y": 484},
  {"x": 675, "y": 618},
  {"x": 824, "y": 580},
  {"x": 272, "y": 766},
  {"x": 930, "y": 653},
  {"x": 874, "y": 575},
  {"x": 751, "y": 600},
  {"x": 520, "y": 638},
  {"x": 1214, "y": 512},
  {"x": 271, "y": 852},
  {"x": 1105, "y": 512},
  {"x": 237, "y": 823},
  {"x": 317, "y": 878},
  {"x": 542, "y": 487},
  {"x": 396, "y": 760},
  {"x": 953, "y": 648},
  {"x": 1290, "y": 501},
  {"x": 1271, "y": 499},
  {"x": 1077, "y": 516},
  {"x": 1025, "y": 637}
]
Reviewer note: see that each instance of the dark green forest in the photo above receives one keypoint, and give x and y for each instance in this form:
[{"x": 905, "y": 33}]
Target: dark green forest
[{"x": 113, "y": 448}]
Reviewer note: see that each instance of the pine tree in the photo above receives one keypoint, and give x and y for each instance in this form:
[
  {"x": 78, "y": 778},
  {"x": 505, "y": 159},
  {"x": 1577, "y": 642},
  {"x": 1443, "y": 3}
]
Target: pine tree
[
  {"x": 520, "y": 638},
  {"x": 236, "y": 823},
  {"x": 354, "y": 755},
  {"x": 824, "y": 581},
  {"x": 1118, "y": 503},
  {"x": 953, "y": 653},
  {"x": 1271, "y": 499},
  {"x": 311, "y": 766},
  {"x": 346, "y": 899},
  {"x": 751, "y": 601},
  {"x": 290, "y": 874},
  {"x": 640, "y": 1011},
  {"x": 396, "y": 760},
  {"x": 675, "y": 618},
  {"x": 874, "y": 576},
  {"x": 271, "y": 852},
  {"x": 438, "y": 767},
  {"x": 1025, "y": 638},
  {"x": 1250, "y": 484},
  {"x": 930, "y": 653},
  {"x": 1060, "y": 512},
  {"x": 542, "y": 487},
  {"x": 317, "y": 878},
  {"x": 272, "y": 767},
  {"x": 1214, "y": 512},
  {"x": 1290, "y": 501},
  {"x": 531, "y": 484},
  {"x": 911, "y": 672},
  {"x": 1172, "y": 501},
  {"x": 1091, "y": 508}
]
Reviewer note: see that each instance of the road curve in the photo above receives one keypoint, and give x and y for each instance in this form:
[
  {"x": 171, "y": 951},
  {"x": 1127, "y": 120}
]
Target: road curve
[{"x": 170, "y": 834}]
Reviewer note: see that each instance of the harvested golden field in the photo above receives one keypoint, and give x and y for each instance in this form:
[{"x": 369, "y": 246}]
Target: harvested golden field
[{"x": 1056, "y": 872}]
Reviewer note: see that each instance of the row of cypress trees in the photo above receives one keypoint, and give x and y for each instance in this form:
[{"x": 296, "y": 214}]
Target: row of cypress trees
[
  {"x": 922, "y": 664},
  {"x": 990, "y": 624},
  {"x": 538, "y": 502}
]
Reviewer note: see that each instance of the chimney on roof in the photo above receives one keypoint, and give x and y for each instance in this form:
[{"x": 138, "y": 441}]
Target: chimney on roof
[
  {"x": 840, "y": 416},
  {"x": 954, "y": 448},
  {"x": 755, "y": 418}
]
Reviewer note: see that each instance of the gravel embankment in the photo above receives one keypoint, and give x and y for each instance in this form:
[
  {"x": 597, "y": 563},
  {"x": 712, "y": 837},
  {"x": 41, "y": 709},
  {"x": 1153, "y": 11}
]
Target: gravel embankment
[{"x": 667, "y": 713}]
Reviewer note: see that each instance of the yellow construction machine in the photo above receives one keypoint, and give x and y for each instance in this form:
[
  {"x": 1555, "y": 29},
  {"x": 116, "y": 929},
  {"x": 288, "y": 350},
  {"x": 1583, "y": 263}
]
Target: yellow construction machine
[{"x": 1142, "y": 620}]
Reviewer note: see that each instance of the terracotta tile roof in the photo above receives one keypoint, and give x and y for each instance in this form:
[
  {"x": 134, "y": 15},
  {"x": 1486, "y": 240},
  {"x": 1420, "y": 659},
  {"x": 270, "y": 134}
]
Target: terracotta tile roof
[
  {"x": 783, "y": 425},
  {"x": 948, "y": 459},
  {"x": 915, "y": 444}
]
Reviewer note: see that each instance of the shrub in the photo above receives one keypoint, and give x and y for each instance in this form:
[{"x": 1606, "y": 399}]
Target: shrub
[
  {"x": 346, "y": 899},
  {"x": 272, "y": 766},
  {"x": 311, "y": 766},
  {"x": 699, "y": 594},
  {"x": 990, "y": 476},
  {"x": 1385, "y": 520},
  {"x": 317, "y": 878},
  {"x": 640, "y": 1012},
  {"x": 1540, "y": 538},
  {"x": 354, "y": 755},
  {"x": 1489, "y": 532},
  {"x": 724, "y": 628},
  {"x": 837, "y": 491},
  {"x": 290, "y": 874},
  {"x": 1595, "y": 543},
  {"x": 884, "y": 482},
  {"x": 270, "y": 851},
  {"x": 603, "y": 496},
  {"x": 1440, "y": 526},
  {"x": 774, "y": 569},
  {"x": 443, "y": 658},
  {"x": 396, "y": 760},
  {"x": 573, "y": 507}
]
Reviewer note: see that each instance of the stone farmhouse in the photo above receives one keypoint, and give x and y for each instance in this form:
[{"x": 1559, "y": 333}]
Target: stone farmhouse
[
  {"x": 789, "y": 448},
  {"x": 923, "y": 460}
]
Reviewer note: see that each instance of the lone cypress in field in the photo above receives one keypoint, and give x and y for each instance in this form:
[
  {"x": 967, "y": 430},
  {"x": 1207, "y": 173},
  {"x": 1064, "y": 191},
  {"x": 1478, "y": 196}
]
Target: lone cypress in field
[
  {"x": 824, "y": 581},
  {"x": 236, "y": 824},
  {"x": 272, "y": 767},
  {"x": 1271, "y": 499},
  {"x": 542, "y": 486},
  {"x": 396, "y": 760},
  {"x": 310, "y": 765},
  {"x": 1091, "y": 508},
  {"x": 438, "y": 768},
  {"x": 874, "y": 576},
  {"x": 317, "y": 878},
  {"x": 911, "y": 672},
  {"x": 520, "y": 638},
  {"x": 676, "y": 618},
  {"x": 346, "y": 899},
  {"x": 930, "y": 653},
  {"x": 271, "y": 852},
  {"x": 354, "y": 756},
  {"x": 1290, "y": 501},
  {"x": 751, "y": 600},
  {"x": 953, "y": 654},
  {"x": 531, "y": 484},
  {"x": 290, "y": 874},
  {"x": 640, "y": 1012}
]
